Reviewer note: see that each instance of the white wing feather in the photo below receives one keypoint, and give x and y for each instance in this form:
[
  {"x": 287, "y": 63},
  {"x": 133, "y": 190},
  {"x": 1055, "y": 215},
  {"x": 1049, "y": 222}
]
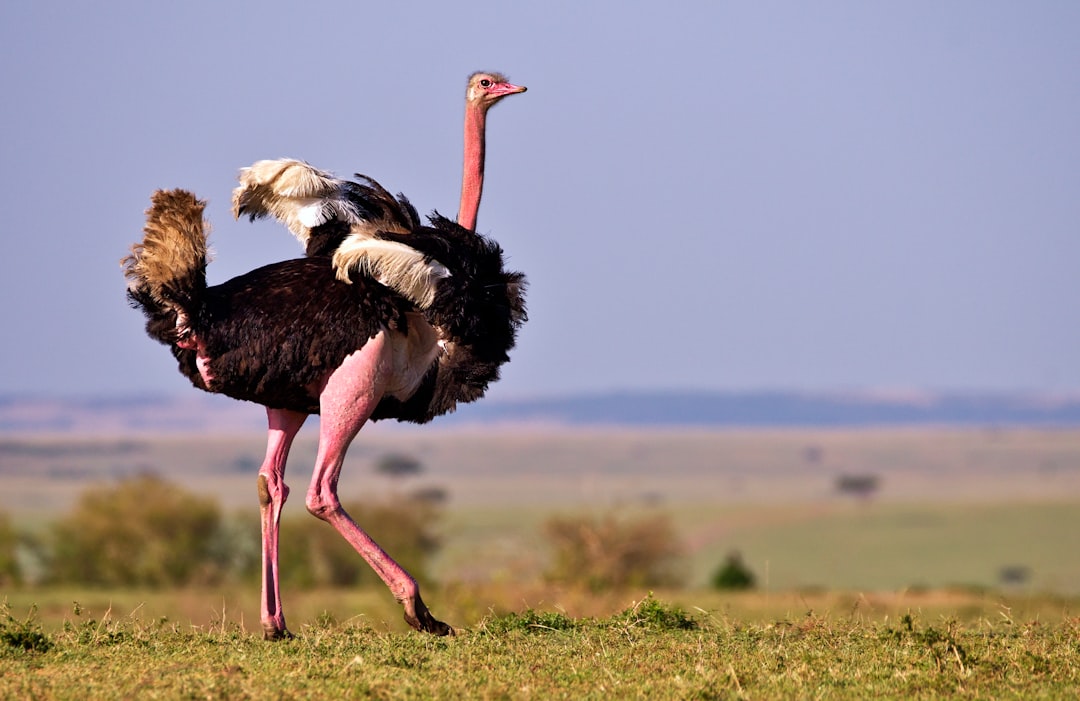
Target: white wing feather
[
  {"x": 298, "y": 195},
  {"x": 393, "y": 264},
  {"x": 303, "y": 197}
]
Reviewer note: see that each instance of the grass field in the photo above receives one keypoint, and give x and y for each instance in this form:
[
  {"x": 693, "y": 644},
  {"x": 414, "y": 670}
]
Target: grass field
[
  {"x": 899, "y": 595},
  {"x": 739, "y": 647}
]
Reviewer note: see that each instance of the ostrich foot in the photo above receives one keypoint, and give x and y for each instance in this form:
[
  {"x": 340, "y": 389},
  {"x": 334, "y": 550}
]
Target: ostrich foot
[
  {"x": 418, "y": 616},
  {"x": 271, "y": 632}
]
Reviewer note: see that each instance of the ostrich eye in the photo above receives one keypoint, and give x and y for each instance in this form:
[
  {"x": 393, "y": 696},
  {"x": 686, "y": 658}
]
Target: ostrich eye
[{"x": 485, "y": 83}]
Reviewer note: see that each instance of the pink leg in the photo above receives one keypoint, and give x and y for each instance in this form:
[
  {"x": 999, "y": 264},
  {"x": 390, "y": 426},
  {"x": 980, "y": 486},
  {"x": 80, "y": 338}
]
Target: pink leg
[
  {"x": 272, "y": 495},
  {"x": 350, "y": 395}
]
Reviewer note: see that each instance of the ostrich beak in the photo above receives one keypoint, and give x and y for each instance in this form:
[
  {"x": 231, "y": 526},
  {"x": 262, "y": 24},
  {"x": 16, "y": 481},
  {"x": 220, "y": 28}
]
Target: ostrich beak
[{"x": 503, "y": 89}]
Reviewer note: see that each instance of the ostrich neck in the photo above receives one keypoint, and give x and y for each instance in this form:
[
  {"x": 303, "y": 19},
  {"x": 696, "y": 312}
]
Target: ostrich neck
[{"x": 472, "y": 176}]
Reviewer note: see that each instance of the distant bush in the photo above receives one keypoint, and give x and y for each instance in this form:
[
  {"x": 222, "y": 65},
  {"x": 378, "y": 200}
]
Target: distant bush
[
  {"x": 398, "y": 465},
  {"x": 603, "y": 553},
  {"x": 430, "y": 495},
  {"x": 10, "y": 573},
  {"x": 141, "y": 531},
  {"x": 144, "y": 531},
  {"x": 861, "y": 486},
  {"x": 235, "y": 548},
  {"x": 313, "y": 554},
  {"x": 1014, "y": 575},
  {"x": 733, "y": 574}
]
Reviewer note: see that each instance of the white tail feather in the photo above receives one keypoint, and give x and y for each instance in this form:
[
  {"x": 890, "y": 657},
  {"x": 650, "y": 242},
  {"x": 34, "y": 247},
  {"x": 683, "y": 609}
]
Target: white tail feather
[{"x": 393, "y": 264}]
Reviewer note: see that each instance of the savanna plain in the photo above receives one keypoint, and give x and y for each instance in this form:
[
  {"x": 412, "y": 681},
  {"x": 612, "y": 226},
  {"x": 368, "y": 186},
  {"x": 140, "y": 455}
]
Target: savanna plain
[{"x": 896, "y": 563}]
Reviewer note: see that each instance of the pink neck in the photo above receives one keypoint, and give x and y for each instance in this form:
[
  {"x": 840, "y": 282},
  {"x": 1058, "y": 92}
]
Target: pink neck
[{"x": 472, "y": 176}]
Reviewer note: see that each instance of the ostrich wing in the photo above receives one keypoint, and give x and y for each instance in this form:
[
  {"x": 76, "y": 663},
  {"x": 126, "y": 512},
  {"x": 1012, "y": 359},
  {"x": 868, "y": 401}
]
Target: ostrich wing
[{"x": 343, "y": 218}]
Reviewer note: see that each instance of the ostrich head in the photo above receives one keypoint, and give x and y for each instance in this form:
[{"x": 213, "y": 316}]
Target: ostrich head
[{"x": 485, "y": 89}]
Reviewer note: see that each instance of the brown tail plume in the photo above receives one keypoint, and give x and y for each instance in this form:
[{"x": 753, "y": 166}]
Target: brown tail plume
[{"x": 167, "y": 272}]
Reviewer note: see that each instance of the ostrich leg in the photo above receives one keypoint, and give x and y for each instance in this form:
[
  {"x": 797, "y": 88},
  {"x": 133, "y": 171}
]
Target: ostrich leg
[
  {"x": 272, "y": 495},
  {"x": 350, "y": 395}
]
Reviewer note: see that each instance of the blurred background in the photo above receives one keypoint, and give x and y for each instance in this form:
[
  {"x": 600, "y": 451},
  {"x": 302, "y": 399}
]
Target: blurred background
[{"x": 802, "y": 304}]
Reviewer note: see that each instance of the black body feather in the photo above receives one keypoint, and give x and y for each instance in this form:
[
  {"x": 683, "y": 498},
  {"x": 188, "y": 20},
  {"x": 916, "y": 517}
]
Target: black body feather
[{"x": 272, "y": 334}]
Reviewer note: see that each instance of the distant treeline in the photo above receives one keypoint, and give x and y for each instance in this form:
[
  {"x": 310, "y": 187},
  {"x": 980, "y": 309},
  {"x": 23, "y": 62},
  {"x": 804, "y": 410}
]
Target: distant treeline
[
  {"x": 660, "y": 408},
  {"x": 783, "y": 409}
]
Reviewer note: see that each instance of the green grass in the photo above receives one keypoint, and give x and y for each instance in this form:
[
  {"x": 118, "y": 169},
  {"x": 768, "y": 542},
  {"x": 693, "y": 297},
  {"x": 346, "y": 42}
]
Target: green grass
[
  {"x": 647, "y": 649},
  {"x": 897, "y": 598}
]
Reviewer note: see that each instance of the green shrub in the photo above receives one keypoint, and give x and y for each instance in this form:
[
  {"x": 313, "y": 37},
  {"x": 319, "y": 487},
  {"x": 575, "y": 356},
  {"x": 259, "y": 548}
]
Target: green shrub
[
  {"x": 653, "y": 614},
  {"x": 603, "y": 553},
  {"x": 21, "y": 636},
  {"x": 141, "y": 531},
  {"x": 733, "y": 574},
  {"x": 529, "y": 621},
  {"x": 10, "y": 572}
]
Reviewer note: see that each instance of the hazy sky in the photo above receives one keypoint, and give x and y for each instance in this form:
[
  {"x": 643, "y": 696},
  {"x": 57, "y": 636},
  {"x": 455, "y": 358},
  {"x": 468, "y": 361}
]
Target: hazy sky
[{"x": 826, "y": 195}]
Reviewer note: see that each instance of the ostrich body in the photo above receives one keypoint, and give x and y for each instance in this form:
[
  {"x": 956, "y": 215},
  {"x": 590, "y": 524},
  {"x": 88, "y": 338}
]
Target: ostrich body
[{"x": 297, "y": 339}]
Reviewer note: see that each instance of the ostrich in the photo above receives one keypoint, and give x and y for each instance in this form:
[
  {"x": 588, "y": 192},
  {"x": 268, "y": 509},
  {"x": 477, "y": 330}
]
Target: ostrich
[
  {"x": 299, "y": 340},
  {"x": 403, "y": 321},
  {"x": 322, "y": 212}
]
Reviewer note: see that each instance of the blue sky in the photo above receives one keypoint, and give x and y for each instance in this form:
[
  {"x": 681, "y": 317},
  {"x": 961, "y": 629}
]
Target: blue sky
[{"x": 756, "y": 195}]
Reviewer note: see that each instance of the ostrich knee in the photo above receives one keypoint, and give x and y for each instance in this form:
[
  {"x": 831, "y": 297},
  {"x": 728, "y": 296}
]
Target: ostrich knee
[
  {"x": 272, "y": 490},
  {"x": 269, "y": 490},
  {"x": 322, "y": 505}
]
